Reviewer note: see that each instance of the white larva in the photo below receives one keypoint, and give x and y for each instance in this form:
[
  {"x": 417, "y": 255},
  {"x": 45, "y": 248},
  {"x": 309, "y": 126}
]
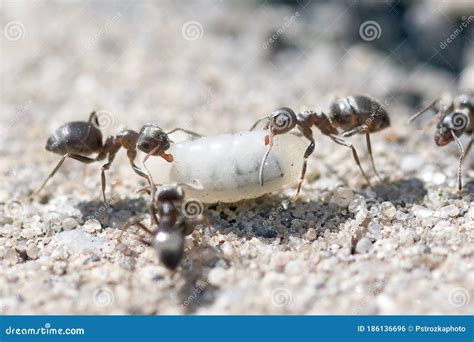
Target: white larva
[{"x": 227, "y": 165}]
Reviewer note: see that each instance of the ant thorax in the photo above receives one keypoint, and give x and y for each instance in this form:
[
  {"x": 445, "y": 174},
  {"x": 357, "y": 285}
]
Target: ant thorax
[{"x": 226, "y": 167}]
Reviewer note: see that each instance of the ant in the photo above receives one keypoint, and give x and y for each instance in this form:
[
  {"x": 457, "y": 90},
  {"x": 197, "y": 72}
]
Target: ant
[
  {"x": 454, "y": 116},
  {"x": 353, "y": 114},
  {"x": 171, "y": 224},
  {"x": 78, "y": 139}
]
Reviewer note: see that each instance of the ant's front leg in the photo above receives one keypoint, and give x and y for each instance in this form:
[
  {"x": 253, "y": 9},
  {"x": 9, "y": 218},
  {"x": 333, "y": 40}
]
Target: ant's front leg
[{"x": 433, "y": 104}]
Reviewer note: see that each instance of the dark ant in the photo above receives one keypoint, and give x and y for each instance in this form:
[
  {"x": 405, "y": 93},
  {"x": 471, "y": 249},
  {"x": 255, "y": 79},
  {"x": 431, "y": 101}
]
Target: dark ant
[
  {"x": 353, "y": 114},
  {"x": 453, "y": 118},
  {"x": 78, "y": 139},
  {"x": 171, "y": 224}
]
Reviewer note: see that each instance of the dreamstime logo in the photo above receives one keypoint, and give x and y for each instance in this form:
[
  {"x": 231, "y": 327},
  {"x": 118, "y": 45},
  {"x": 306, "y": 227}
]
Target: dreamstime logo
[
  {"x": 192, "y": 208},
  {"x": 281, "y": 297},
  {"x": 370, "y": 30},
  {"x": 458, "y": 121},
  {"x": 192, "y": 30},
  {"x": 464, "y": 24},
  {"x": 99, "y": 212},
  {"x": 282, "y": 119},
  {"x": 103, "y": 296},
  {"x": 14, "y": 30},
  {"x": 194, "y": 295},
  {"x": 14, "y": 209},
  {"x": 105, "y": 119},
  {"x": 458, "y": 297},
  {"x": 287, "y": 22}
]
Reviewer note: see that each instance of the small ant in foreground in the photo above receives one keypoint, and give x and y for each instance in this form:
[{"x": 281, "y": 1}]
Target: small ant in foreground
[
  {"x": 171, "y": 224},
  {"x": 353, "y": 114},
  {"x": 454, "y": 116},
  {"x": 78, "y": 139}
]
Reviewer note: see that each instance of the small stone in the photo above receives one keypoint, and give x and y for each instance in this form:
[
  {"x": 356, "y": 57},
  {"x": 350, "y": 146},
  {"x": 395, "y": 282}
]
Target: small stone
[
  {"x": 228, "y": 250},
  {"x": 342, "y": 197},
  {"x": 421, "y": 212},
  {"x": 357, "y": 204},
  {"x": 311, "y": 234},
  {"x": 375, "y": 229},
  {"x": 388, "y": 209},
  {"x": 92, "y": 226},
  {"x": 69, "y": 223},
  {"x": 32, "y": 252},
  {"x": 449, "y": 211},
  {"x": 361, "y": 216},
  {"x": 28, "y": 233},
  {"x": 363, "y": 245},
  {"x": 7, "y": 230}
]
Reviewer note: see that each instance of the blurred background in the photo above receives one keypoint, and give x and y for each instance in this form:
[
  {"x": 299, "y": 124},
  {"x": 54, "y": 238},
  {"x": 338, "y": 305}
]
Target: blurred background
[{"x": 217, "y": 66}]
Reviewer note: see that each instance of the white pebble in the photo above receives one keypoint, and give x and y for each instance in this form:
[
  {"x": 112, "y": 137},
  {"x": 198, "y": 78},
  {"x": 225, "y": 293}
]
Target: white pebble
[
  {"x": 357, "y": 204},
  {"x": 388, "y": 209},
  {"x": 449, "y": 211},
  {"x": 342, "y": 197},
  {"x": 363, "y": 245},
  {"x": 69, "y": 223}
]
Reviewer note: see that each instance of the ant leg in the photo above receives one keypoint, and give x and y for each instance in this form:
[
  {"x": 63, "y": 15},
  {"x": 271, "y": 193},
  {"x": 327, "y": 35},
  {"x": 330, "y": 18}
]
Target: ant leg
[
  {"x": 104, "y": 168},
  {"x": 154, "y": 216},
  {"x": 134, "y": 221},
  {"x": 342, "y": 142},
  {"x": 185, "y": 131},
  {"x": 309, "y": 150},
  {"x": 77, "y": 157},
  {"x": 354, "y": 131},
  {"x": 371, "y": 156},
  {"x": 416, "y": 115},
  {"x": 131, "y": 154},
  {"x": 461, "y": 159}
]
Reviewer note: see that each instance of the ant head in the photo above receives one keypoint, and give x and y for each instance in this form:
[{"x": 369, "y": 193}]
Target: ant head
[
  {"x": 282, "y": 120},
  {"x": 168, "y": 194},
  {"x": 454, "y": 122},
  {"x": 152, "y": 138},
  {"x": 169, "y": 245}
]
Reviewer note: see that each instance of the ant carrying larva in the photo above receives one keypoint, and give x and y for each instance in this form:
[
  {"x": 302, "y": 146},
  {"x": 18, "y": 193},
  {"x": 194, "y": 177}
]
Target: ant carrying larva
[
  {"x": 79, "y": 139},
  {"x": 454, "y": 117},
  {"x": 354, "y": 114},
  {"x": 227, "y": 165}
]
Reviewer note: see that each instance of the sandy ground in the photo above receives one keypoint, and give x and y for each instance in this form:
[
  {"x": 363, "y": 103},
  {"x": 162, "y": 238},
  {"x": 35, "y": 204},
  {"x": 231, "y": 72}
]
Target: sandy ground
[{"x": 403, "y": 247}]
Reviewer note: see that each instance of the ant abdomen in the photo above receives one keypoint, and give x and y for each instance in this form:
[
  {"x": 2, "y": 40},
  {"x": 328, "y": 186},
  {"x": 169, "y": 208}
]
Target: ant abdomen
[
  {"x": 79, "y": 137},
  {"x": 169, "y": 246},
  {"x": 358, "y": 110}
]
